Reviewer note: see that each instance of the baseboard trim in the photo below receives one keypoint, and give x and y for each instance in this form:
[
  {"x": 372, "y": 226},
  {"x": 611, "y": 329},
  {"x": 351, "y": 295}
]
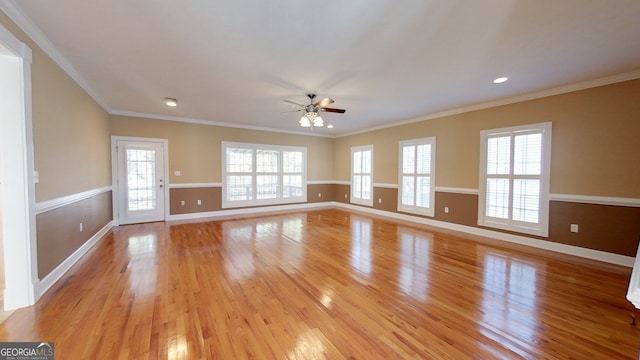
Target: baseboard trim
[
  {"x": 248, "y": 211},
  {"x": 598, "y": 255},
  {"x": 45, "y": 284}
]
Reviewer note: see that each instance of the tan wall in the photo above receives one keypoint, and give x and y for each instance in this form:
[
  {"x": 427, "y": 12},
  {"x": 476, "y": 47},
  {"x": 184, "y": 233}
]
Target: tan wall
[
  {"x": 71, "y": 153},
  {"x": 595, "y": 146},
  {"x": 70, "y": 130},
  {"x": 195, "y": 149},
  {"x": 185, "y": 200}
]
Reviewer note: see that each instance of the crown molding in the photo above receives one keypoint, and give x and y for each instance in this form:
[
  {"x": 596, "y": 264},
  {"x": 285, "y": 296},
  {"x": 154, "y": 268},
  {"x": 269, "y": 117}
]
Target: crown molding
[
  {"x": 632, "y": 75},
  {"x": 16, "y": 14},
  {"x": 211, "y": 123}
]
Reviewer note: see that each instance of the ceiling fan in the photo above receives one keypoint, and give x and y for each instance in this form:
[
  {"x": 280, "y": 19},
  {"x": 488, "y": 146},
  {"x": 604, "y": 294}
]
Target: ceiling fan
[{"x": 310, "y": 117}]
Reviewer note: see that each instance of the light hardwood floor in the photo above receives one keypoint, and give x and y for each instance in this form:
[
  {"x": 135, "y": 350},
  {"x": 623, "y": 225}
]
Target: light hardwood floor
[{"x": 327, "y": 284}]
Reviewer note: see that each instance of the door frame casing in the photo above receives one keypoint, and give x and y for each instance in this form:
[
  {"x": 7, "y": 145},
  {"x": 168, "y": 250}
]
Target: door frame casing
[
  {"x": 18, "y": 195},
  {"x": 114, "y": 173}
]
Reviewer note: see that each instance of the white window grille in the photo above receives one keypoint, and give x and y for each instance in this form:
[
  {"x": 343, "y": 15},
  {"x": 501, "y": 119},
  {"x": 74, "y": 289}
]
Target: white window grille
[
  {"x": 416, "y": 176},
  {"x": 255, "y": 174},
  {"x": 514, "y": 178}
]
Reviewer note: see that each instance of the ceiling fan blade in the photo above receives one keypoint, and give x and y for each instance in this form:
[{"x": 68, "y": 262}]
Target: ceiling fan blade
[
  {"x": 284, "y": 112},
  {"x": 341, "y": 111},
  {"x": 324, "y": 102},
  {"x": 294, "y": 103}
]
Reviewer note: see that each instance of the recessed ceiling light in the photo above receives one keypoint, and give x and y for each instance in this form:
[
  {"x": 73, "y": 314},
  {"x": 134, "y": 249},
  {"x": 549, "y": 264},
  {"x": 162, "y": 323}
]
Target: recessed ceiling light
[
  {"x": 329, "y": 126},
  {"x": 170, "y": 102},
  {"x": 500, "y": 80}
]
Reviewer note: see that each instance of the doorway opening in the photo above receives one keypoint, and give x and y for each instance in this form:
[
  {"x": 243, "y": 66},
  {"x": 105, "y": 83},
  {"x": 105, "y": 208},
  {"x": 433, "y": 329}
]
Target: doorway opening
[
  {"x": 17, "y": 189},
  {"x": 140, "y": 173}
]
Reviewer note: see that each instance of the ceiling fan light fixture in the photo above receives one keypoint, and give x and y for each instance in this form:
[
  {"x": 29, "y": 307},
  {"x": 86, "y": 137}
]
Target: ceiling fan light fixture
[
  {"x": 304, "y": 122},
  {"x": 311, "y": 115}
]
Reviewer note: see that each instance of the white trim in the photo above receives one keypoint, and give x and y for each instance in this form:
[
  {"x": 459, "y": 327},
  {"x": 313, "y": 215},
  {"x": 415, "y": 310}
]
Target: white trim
[
  {"x": 541, "y": 227},
  {"x": 57, "y": 273},
  {"x": 512, "y": 238},
  {"x": 429, "y": 209},
  {"x": 279, "y": 198},
  {"x": 14, "y": 44},
  {"x": 34, "y": 32},
  {"x": 585, "y": 199},
  {"x": 633, "y": 292},
  {"x": 16, "y": 173},
  {"x": 53, "y": 204},
  {"x": 321, "y": 182},
  {"x": 386, "y": 186},
  {"x": 632, "y": 75},
  {"x": 194, "y": 185},
  {"x": 598, "y": 200},
  {"x": 352, "y": 198},
  {"x": 249, "y": 211},
  {"x": 457, "y": 190},
  {"x": 213, "y": 123},
  {"x": 341, "y": 182}
]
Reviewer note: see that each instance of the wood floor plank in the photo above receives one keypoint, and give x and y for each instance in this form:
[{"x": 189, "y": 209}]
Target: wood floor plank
[{"x": 327, "y": 284}]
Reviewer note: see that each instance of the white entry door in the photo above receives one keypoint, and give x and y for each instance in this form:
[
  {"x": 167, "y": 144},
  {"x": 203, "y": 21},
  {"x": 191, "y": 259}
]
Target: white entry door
[{"x": 141, "y": 184}]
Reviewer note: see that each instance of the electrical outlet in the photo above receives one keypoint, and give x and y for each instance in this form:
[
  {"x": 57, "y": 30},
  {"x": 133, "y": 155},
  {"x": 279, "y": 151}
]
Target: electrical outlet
[
  {"x": 345, "y": 195},
  {"x": 379, "y": 200},
  {"x": 182, "y": 203},
  {"x": 199, "y": 202},
  {"x": 177, "y": 173},
  {"x": 573, "y": 228},
  {"x": 81, "y": 227},
  {"x": 446, "y": 209},
  {"x": 319, "y": 194}
]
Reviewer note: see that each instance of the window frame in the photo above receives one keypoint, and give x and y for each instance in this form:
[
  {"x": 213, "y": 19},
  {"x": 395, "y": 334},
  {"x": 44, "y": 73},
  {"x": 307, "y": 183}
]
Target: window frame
[
  {"x": 415, "y": 209},
  {"x": 254, "y": 201},
  {"x": 542, "y": 227},
  {"x": 353, "y": 198}
]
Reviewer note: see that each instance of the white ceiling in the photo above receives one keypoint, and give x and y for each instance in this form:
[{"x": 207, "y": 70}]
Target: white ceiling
[{"x": 385, "y": 61}]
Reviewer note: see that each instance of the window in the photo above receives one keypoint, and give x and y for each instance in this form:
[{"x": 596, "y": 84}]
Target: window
[
  {"x": 416, "y": 182},
  {"x": 362, "y": 175},
  {"x": 514, "y": 178},
  {"x": 256, "y": 174}
]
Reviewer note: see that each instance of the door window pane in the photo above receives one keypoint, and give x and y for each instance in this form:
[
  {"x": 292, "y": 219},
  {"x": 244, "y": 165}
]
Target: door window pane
[{"x": 141, "y": 179}]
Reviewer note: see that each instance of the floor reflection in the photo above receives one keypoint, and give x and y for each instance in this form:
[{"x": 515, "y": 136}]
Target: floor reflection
[
  {"x": 270, "y": 239},
  {"x": 292, "y": 229},
  {"x": 327, "y": 298},
  {"x": 177, "y": 348},
  {"x": 361, "y": 245},
  {"x": 308, "y": 346},
  {"x": 142, "y": 264},
  {"x": 415, "y": 252},
  {"x": 509, "y": 301},
  {"x": 238, "y": 238}
]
